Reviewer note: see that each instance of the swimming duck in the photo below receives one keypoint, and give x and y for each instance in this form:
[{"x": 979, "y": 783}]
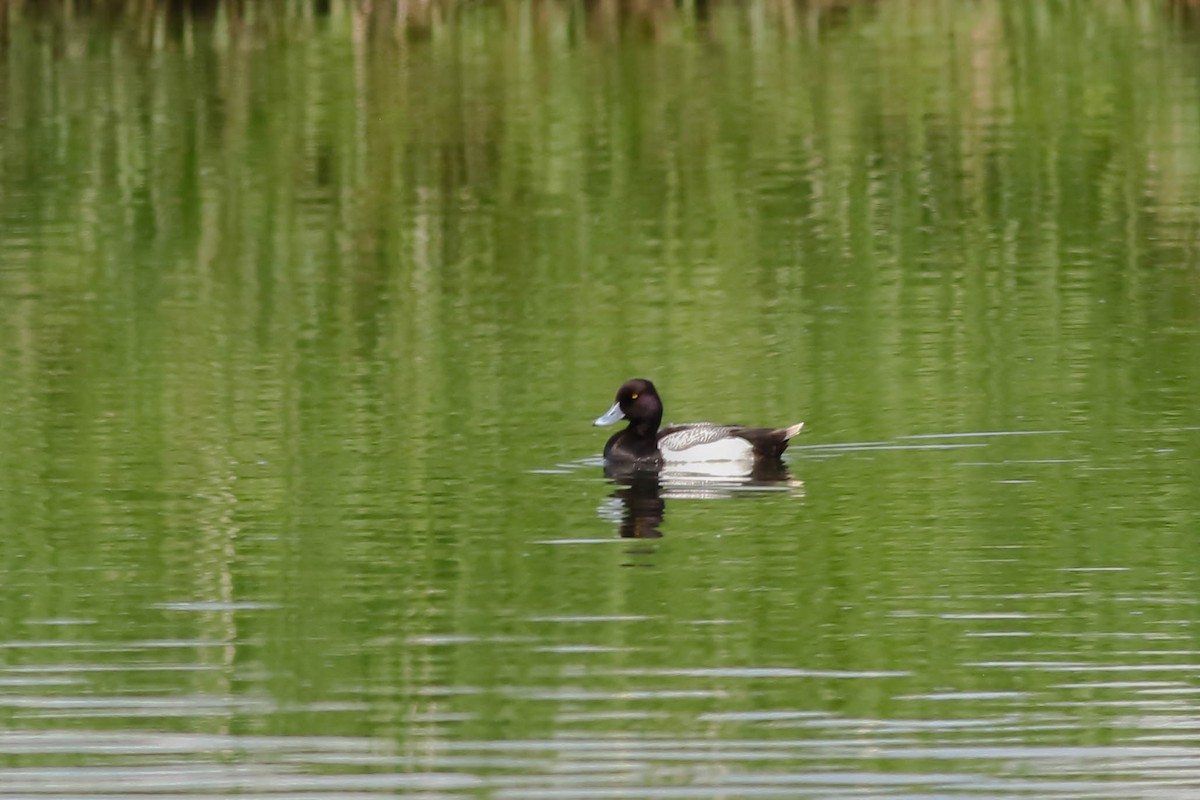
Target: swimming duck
[{"x": 643, "y": 444}]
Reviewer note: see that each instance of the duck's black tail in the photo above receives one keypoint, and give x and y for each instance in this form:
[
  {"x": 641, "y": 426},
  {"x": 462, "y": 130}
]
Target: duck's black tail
[{"x": 769, "y": 442}]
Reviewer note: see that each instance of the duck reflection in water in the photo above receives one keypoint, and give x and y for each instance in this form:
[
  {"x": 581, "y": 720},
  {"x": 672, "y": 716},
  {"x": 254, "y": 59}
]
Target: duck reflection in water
[
  {"x": 639, "y": 503},
  {"x": 698, "y": 460}
]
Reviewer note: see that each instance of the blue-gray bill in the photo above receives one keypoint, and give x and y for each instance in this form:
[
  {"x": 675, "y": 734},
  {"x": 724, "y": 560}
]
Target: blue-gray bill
[{"x": 614, "y": 414}]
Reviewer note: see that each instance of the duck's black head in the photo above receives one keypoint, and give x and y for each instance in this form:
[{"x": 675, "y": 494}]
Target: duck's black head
[{"x": 638, "y": 402}]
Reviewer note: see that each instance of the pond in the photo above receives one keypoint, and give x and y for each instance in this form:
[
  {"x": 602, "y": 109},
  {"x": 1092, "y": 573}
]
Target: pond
[{"x": 303, "y": 329}]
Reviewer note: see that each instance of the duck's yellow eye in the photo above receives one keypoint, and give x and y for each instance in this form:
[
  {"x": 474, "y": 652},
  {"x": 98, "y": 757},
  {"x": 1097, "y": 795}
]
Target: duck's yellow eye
[{"x": 633, "y": 396}]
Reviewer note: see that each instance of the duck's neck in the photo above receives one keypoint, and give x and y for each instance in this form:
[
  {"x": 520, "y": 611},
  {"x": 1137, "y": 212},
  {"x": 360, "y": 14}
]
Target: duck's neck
[{"x": 645, "y": 428}]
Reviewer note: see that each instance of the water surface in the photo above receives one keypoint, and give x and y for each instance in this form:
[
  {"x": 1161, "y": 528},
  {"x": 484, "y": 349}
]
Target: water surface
[{"x": 301, "y": 337}]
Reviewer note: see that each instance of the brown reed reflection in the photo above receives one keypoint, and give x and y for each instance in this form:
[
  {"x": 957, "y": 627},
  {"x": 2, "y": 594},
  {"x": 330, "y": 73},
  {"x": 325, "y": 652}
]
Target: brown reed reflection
[{"x": 166, "y": 23}]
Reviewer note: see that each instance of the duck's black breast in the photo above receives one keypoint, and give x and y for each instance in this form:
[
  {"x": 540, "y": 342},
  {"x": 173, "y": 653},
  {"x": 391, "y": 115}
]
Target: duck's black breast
[{"x": 631, "y": 445}]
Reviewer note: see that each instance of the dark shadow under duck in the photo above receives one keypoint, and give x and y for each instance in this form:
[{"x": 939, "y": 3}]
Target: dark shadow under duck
[{"x": 644, "y": 444}]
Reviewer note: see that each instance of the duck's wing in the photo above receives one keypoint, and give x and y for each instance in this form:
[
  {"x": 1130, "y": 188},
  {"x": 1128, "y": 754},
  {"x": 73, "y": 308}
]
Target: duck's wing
[{"x": 683, "y": 437}]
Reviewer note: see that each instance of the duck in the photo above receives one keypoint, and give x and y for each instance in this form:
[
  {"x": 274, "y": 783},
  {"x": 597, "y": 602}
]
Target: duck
[{"x": 644, "y": 444}]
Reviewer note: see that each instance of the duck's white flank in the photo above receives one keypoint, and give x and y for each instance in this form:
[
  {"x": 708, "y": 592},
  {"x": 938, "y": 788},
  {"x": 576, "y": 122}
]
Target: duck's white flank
[
  {"x": 732, "y": 448},
  {"x": 704, "y": 441}
]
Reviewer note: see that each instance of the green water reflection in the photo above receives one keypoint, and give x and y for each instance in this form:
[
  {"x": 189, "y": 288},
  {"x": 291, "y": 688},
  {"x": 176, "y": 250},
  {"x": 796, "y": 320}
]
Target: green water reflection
[{"x": 301, "y": 338}]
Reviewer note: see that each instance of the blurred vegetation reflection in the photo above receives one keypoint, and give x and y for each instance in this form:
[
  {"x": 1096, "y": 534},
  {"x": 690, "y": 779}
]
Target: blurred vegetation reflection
[{"x": 295, "y": 297}]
